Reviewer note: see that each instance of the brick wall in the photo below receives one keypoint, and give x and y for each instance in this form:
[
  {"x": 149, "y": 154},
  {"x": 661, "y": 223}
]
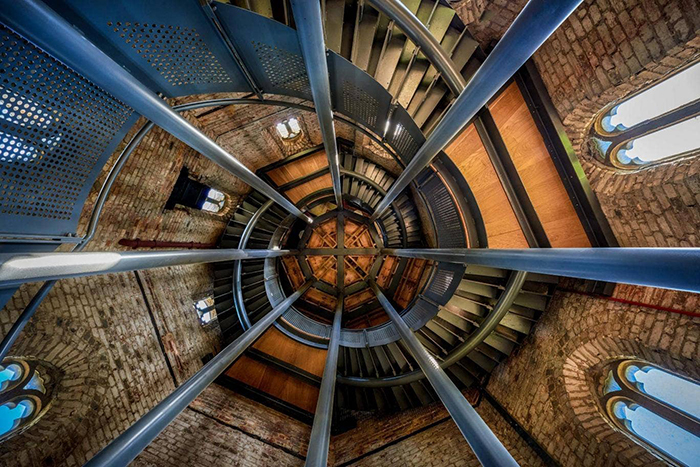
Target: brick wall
[
  {"x": 551, "y": 385},
  {"x": 425, "y": 436},
  {"x": 605, "y": 51},
  {"x": 223, "y": 428}
]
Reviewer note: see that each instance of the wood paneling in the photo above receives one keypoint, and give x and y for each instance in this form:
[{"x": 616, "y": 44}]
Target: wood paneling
[
  {"x": 537, "y": 171},
  {"x": 276, "y": 344},
  {"x": 274, "y": 382},
  {"x": 312, "y": 186},
  {"x": 469, "y": 155},
  {"x": 299, "y": 168}
]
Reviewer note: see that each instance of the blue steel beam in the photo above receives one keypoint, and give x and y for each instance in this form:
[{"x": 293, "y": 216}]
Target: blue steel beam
[
  {"x": 487, "y": 448},
  {"x": 307, "y": 17}
]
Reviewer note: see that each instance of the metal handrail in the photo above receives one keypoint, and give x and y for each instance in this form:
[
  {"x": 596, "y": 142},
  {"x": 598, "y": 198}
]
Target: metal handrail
[
  {"x": 500, "y": 309},
  {"x": 124, "y": 448},
  {"x": 237, "y": 266},
  {"x": 519, "y": 42}
]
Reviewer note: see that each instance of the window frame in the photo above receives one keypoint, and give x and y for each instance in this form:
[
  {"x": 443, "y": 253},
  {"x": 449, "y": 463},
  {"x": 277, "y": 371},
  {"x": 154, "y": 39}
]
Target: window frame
[
  {"x": 609, "y": 143},
  {"x": 630, "y": 394},
  {"x": 18, "y": 391},
  {"x": 200, "y": 313}
]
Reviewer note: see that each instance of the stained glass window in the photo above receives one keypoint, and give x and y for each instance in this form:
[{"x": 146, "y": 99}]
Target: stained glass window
[
  {"x": 23, "y": 396},
  {"x": 657, "y": 408},
  {"x": 656, "y": 124}
]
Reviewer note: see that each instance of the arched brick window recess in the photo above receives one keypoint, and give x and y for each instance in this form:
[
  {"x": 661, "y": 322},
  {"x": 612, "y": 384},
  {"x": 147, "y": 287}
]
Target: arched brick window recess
[
  {"x": 658, "y": 409},
  {"x": 654, "y": 125},
  {"x": 590, "y": 392},
  {"x": 193, "y": 194},
  {"x": 26, "y": 388}
]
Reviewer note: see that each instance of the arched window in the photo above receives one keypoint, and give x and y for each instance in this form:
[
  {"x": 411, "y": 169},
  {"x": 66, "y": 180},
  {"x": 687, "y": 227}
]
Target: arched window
[
  {"x": 288, "y": 129},
  {"x": 205, "y": 310},
  {"x": 658, "y": 409},
  {"x": 214, "y": 202},
  {"x": 23, "y": 396},
  {"x": 654, "y": 125},
  {"x": 193, "y": 194}
]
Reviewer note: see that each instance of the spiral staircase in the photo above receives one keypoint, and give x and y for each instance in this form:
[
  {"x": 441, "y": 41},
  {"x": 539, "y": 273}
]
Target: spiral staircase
[{"x": 281, "y": 267}]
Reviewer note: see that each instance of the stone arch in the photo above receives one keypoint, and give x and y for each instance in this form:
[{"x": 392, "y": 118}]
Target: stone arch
[
  {"x": 583, "y": 372},
  {"x": 71, "y": 350}
]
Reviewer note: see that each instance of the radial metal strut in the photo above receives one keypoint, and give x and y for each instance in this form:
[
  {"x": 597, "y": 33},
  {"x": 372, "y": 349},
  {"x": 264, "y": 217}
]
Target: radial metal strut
[
  {"x": 16, "y": 269},
  {"x": 317, "y": 454},
  {"x": 486, "y": 446},
  {"x": 308, "y": 19},
  {"x": 666, "y": 268},
  {"x": 535, "y": 23},
  {"x": 36, "y": 21},
  {"x": 123, "y": 449}
]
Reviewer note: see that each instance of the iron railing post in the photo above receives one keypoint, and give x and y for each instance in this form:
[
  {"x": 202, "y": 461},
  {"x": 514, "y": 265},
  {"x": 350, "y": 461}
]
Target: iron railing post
[
  {"x": 33, "y": 19},
  {"x": 317, "y": 454},
  {"x": 665, "y": 268},
  {"x": 16, "y": 269},
  {"x": 124, "y": 448},
  {"x": 535, "y": 23},
  {"x": 307, "y": 16},
  {"x": 487, "y": 448},
  {"x": 486, "y": 327}
]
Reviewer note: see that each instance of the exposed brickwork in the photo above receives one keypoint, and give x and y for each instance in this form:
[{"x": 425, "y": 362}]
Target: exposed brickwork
[
  {"x": 222, "y": 428},
  {"x": 550, "y": 385},
  {"x": 194, "y": 439},
  {"x": 469, "y": 11},
  {"x": 605, "y": 51},
  {"x": 254, "y": 418},
  {"x": 423, "y": 437}
]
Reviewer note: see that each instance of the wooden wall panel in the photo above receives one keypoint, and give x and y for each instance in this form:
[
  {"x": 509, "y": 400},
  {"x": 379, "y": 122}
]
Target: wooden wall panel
[
  {"x": 274, "y": 382},
  {"x": 276, "y": 344},
  {"x": 469, "y": 155},
  {"x": 299, "y": 168},
  {"x": 319, "y": 183},
  {"x": 537, "y": 171}
]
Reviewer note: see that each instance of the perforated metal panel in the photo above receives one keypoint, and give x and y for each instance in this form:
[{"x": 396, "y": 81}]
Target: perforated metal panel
[
  {"x": 382, "y": 335},
  {"x": 450, "y": 230},
  {"x": 56, "y": 131},
  {"x": 179, "y": 54},
  {"x": 357, "y": 95},
  {"x": 404, "y": 135},
  {"x": 441, "y": 282},
  {"x": 420, "y": 313},
  {"x": 284, "y": 69},
  {"x": 306, "y": 325},
  {"x": 444, "y": 282},
  {"x": 269, "y": 49},
  {"x": 169, "y": 45}
]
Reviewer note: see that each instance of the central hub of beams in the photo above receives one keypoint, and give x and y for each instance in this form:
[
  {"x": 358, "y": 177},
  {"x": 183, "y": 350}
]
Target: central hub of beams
[{"x": 355, "y": 238}]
